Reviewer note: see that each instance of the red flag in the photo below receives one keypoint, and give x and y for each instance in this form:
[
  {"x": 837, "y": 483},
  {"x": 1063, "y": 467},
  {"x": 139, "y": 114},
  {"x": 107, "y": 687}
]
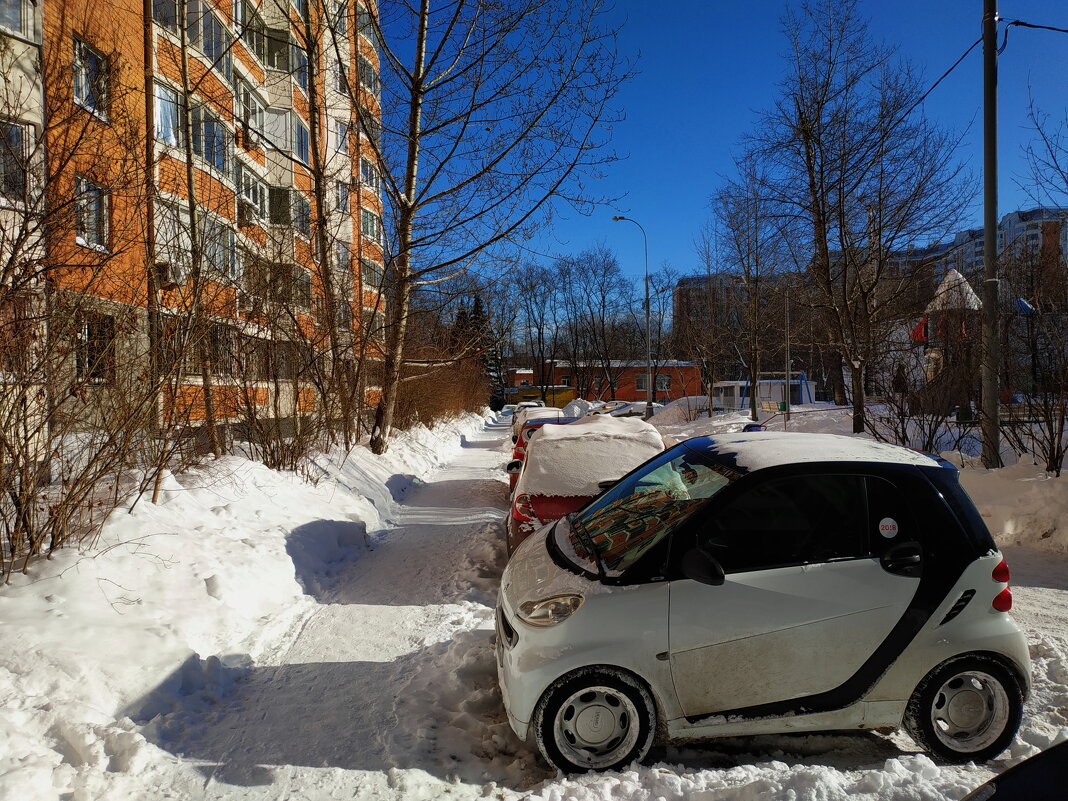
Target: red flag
[{"x": 919, "y": 333}]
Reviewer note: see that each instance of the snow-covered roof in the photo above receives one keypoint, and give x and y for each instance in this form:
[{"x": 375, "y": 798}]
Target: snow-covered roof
[
  {"x": 570, "y": 460},
  {"x": 758, "y": 450},
  {"x": 954, "y": 293}
]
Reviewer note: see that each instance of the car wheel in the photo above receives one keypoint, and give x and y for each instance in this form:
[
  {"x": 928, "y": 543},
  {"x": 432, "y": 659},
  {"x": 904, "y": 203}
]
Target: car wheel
[
  {"x": 966, "y": 710},
  {"x": 594, "y": 719}
]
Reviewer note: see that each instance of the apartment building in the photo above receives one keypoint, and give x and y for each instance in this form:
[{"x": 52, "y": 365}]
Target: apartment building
[{"x": 212, "y": 220}]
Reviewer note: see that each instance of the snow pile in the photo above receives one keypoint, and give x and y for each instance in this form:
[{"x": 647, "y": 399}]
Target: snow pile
[
  {"x": 577, "y": 408},
  {"x": 570, "y": 460},
  {"x": 683, "y": 410},
  {"x": 1021, "y": 505},
  {"x": 175, "y": 602}
]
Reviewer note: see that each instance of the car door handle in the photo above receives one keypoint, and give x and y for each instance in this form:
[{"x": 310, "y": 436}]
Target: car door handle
[{"x": 904, "y": 559}]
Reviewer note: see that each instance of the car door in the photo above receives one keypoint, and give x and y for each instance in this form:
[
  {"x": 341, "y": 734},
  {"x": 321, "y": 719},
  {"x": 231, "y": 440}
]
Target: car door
[{"x": 805, "y": 602}]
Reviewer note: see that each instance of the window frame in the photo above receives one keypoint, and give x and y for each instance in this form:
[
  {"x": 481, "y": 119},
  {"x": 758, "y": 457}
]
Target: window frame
[
  {"x": 25, "y": 29},
  {"x": 301, "y": 141},
  {"x": 201, "y": 116},
  {"x": 14, "y": 164},
  {"x": 95, "y": 351},
  {"x": 158, "y": 101},
  {"x": 85, "y": 58},
  {"x": 369, "y": 215},
  {"x": 85, "y": 188}
]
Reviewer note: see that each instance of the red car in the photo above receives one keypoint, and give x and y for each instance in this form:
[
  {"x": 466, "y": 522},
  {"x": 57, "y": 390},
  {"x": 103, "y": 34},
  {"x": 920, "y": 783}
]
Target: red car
[
  {"x": 567, "y": 466},
  {"x": 523, "y": 439}
]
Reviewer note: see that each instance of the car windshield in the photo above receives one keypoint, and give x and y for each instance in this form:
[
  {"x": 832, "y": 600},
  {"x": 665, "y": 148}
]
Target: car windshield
[{"x": 643, "y": 508}]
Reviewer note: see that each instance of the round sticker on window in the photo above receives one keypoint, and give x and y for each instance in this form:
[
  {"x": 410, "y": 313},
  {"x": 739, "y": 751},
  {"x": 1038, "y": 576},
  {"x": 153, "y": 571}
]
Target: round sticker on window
[{"x": 888, "y": 527}]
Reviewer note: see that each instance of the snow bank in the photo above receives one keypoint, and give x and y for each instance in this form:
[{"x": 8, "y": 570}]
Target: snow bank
[
  {"x": 569, "y": 460},
  {"x": 577, "y": 408},
  {"x": 683, "y": 410},
  {"x": 175, "y": 601},
  {"x": 1021, "y": 505}
]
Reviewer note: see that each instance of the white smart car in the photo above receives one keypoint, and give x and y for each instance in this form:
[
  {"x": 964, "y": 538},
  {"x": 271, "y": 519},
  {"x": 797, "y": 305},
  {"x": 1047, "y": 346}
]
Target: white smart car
[{"x": 759, "y": 583}]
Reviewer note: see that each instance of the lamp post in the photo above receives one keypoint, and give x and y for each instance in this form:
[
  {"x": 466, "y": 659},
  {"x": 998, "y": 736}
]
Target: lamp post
[
  {"x": 648, "y": 336},
  {"x": 787, "y": 386}
]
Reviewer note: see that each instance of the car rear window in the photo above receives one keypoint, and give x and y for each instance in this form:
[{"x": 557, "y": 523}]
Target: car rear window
[{"x": 947, "y": 482}]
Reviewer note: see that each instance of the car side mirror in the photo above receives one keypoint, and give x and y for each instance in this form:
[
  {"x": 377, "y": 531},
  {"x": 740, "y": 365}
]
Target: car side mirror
[
  {"x": 607, "y": 484},
  {"x": 699, "y": 566},
  {"x": 515, "y": 439},
  {"x": 514, "y": 467}
]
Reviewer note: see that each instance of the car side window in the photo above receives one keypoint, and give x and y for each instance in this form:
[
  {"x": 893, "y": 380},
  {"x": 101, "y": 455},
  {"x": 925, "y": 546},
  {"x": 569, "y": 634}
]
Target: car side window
[
  {"x": 787, "y": 521},
  {"x": 890, "y": 520}
]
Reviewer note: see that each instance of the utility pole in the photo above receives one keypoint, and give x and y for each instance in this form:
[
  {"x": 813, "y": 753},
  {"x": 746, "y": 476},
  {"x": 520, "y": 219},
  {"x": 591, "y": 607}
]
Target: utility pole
[{"x": 991, "y": 425}]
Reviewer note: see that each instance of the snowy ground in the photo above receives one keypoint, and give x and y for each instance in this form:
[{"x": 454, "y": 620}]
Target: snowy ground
[{"x": 256, "y": 637}]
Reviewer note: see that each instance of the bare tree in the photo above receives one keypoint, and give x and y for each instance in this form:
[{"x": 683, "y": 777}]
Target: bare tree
[
  {"x": 853, "y": 163},
  {"x": 490, "y": 112}
]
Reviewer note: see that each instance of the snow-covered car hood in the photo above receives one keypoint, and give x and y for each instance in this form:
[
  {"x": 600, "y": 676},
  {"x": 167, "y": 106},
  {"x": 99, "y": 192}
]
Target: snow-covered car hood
[{"x": 531, "y": 574}]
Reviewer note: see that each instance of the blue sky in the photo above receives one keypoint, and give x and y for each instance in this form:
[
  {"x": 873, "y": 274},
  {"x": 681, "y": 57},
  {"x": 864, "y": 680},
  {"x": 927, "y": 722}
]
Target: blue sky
[{"x": 706, "y": 67}]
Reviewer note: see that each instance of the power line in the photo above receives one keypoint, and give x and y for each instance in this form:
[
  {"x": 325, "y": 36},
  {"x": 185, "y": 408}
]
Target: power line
[{"x": 1021, "y": 24}]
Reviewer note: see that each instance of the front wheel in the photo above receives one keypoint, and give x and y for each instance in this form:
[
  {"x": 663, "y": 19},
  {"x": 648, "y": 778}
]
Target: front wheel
[
  {"x": 966, "y": 710},
  {"x": 595, "y": 719}
]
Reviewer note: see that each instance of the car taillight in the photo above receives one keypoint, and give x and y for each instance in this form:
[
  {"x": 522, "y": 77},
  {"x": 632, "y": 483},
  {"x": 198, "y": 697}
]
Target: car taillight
[
  {"x": 523, "y": 509},
  {"x": 1001, "y": 572},
  {"x": 1003, "y": 600}
]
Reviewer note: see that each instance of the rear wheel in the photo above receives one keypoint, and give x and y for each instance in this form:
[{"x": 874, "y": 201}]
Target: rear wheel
[
  {"x": 595, "y": 719},
  {"x": 966, "y": 710}
]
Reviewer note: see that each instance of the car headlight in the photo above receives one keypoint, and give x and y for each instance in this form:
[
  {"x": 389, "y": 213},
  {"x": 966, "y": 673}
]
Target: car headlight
[{"x": 549, "y": 611}]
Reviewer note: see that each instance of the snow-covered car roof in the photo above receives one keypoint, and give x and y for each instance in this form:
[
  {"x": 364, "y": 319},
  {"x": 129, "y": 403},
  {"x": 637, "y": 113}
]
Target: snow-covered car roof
[
  {"x": 757, "y": 450},
  {"x": 570, "y": 460}
]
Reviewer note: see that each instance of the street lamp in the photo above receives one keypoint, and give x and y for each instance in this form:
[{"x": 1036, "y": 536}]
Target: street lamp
[{"x": 648, "y": 337}]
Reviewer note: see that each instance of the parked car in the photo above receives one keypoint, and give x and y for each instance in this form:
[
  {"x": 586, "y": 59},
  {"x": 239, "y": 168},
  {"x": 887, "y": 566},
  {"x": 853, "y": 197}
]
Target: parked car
[
  {"x": 524, "y": 413},
  {"x": 604, "y": 407},
  {"x": 1042, "y": 777},
  {"x": 763, "y": 583},
  {"x": 508, "y": 409},
  {"x": 635, "y": 409},
  {"x": 522, "y": 441},
  {"x": 569, "y": 466}
]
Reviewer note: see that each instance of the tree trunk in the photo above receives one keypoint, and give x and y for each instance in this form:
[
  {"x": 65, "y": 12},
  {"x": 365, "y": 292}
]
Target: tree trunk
[{"x": 857, "y": 382}]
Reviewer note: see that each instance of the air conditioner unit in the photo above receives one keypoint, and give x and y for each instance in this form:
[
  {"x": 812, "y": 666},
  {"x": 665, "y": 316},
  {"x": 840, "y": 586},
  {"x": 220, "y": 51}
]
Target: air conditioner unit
[{"x": 171, "y": 274}]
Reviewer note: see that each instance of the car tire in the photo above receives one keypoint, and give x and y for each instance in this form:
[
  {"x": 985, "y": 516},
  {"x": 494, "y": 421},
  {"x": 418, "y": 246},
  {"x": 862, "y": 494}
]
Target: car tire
[
  {"x": 595, "y": 719},
  {"x": 966, "y": 710}
]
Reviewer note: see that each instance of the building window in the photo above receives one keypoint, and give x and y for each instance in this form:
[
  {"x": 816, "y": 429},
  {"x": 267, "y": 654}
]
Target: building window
[
  {"x": 301, "y": 139},
  {"x": 338, "y": 20},
  {"x": 301, "y": 214},
  {"x": 342, "y": 196},
  {"x": 220, "y": 252},
  {"x": 370, "y": 126},
  {"x": 302, "y": 8},
  {"x": 13, "y": 151},
  {"x": 565, "y": 380},
  {"x": 13, "y": 16},
  {"x": 371, "y": 225},
  {"x": 341, "y": 136},
  {"x": 165, "y": 13},
  {"x": 368, "y": 75},
  {"x": 252, "y": 108},
  {"x": 365, "y": 25},
  {"x": 252, "y": 190},
  {"x": 341, "y": 78},
  {"x": 251, "y": 29},
  {"x": 90, "y": 78},
  {"x": 369, "y": 175},
  {"x": 343, "y": 256},
  {"x": 370, "y": 273},
  {"x": 211, "y": 140},
  {"x": 96, "y": 348},
  {"x": 300, "y": 67},
  {"x": 168, "y": 116},
  {"x": 663, "y": 382},
  {"x": 91, "y": 204},
  {"x": 207, "y": 32}
]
